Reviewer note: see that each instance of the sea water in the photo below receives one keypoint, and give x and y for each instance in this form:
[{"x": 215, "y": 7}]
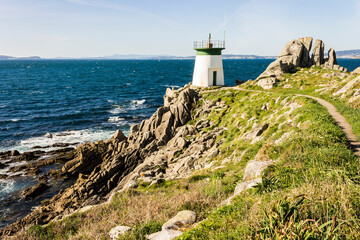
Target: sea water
[{"x": 43, "y": 102}]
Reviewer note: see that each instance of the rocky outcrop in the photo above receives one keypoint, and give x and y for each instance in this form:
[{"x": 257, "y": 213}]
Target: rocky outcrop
[
  {"x": 347, "y": 87},
  {"x": 356, "y": 71},
  {"x": 296, "y": 54},
  {"x": 175, "y": 226},
  {"x": 331, "y": 61},
  {"x": 183, "y": 153},
  {"x": 35, "y": 191},
  {"x": 117, "y": 231},
  {"x": 306, "y": 58},
  {"x": 318, "y": 53},
  {"x": 100, "y": 166}
]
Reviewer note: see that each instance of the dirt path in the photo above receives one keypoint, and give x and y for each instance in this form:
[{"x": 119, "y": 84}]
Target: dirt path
[{"x": 340, "y": 119}]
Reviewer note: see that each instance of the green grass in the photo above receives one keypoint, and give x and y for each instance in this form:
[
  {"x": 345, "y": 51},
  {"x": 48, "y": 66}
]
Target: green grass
[
  {"x": 314, "y": 162},
  {"x": 317, "y": 164},
  {"x": 312, "y": 82}
]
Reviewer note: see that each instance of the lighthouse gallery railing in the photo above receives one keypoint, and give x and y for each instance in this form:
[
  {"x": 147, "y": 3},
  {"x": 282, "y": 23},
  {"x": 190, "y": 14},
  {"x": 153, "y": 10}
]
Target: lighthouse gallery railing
[{"x": 213, "y": 44}]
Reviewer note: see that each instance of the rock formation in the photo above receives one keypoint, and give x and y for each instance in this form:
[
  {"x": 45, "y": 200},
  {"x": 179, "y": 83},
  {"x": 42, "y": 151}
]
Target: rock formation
[
  {"x": 174, "y": 227},
  {"x": 356, "y": 71},
  {"x": 117, "y": 231},
  {"x": 296, "y": 54},
  {"x": 318, "y": 53},
  {"x": 305, "y": 59},
  {"x": 100, "y": 166},
  {"x": 331, "y": 61}
]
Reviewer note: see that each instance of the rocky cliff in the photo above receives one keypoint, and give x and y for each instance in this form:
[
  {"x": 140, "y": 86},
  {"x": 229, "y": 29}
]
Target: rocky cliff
[{"x": 99, "y": 167}]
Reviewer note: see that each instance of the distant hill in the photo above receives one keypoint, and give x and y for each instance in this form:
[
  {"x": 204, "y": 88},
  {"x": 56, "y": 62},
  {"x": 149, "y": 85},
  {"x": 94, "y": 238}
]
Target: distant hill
[
  {"x": 4, "y": 57},
  {"x": 135, "y": 56},
  {"x": 239, "y": 56},
  {"x": 348, "y": 53},
  {"x": 355, "y": 53}
]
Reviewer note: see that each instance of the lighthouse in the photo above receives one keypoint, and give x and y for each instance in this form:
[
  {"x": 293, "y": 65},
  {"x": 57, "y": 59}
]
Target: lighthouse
[{"x": 208, "y": 70}]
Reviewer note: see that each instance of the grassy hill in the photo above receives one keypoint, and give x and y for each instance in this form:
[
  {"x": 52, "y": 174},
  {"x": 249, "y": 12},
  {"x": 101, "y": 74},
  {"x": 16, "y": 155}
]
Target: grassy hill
[{"x": 309, "y": 191}]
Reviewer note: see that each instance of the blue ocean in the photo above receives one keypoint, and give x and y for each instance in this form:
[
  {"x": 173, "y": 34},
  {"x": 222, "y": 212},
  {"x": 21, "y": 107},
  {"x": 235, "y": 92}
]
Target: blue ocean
[
  {"x": 79, "y": 101},
  {"x": 44, "y": 102}
]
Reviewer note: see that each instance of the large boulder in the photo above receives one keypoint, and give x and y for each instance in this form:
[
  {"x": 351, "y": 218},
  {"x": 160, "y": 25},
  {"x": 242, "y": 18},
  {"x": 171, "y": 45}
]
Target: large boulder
[
  {"x": 318, "y": 53},
  {"x": 305, "y": 58},
  {"x": 295, "y": 54},
  {"x": 331, "y": 61},
  {"x": 175, "y": 226},
  {"x": 34, "y": 191},
  {"x": 117, "y": 231},
  {"x": 292, "y": 53}
]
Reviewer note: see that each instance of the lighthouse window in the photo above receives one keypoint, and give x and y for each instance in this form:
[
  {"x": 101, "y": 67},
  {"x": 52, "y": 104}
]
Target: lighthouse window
[{"x": 214, "y": 77}]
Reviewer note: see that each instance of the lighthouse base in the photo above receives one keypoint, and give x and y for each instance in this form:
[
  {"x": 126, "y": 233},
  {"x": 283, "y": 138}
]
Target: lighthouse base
[{"x": 208, "y": 71}]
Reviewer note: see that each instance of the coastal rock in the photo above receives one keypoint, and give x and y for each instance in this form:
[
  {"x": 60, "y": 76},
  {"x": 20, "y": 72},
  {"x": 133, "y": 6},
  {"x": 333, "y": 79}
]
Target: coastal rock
[
  {"x": 35, "y": 191},
  {"x": 165, "y": 235},
  {"x": 267, "y": 83},
  {"x": 29, "y": 156},
  {"x": 181, "y": 220},
  {"x": 119, "y": 136},
  {"x": 87, "y": 157},
  {"x": 109, "y": 165},
  {"x": 252, "y": 176},
  {"x": 295, "y": 54},
  {"x": 254, "y": 169},
  {"x": 48, "y": 135},
  {"x": 2, "y": 165},
  {"x": 292, "y": 53},
  {"x": 331, "y": 61},
  {"x": 245, "y": 185},
  {"x": 15, "y": 153},
  {"x": 305, "y": 60},
  {"x": 348, "y": 86},
  {"x": 239, "y": 82},
  {"x": 318, "y": 53},
  {"x": 132, "y": 184},
  {"x": 356, "y": 71},
  {"x": 117, "y": 231},
  {"x": 169, "y": 96},
  {"x": 175, "y": 226},
  {"x": 256, "y": 131}
]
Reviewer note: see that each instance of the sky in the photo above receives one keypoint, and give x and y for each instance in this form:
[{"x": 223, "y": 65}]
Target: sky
[{"x": 94, "y": 28}]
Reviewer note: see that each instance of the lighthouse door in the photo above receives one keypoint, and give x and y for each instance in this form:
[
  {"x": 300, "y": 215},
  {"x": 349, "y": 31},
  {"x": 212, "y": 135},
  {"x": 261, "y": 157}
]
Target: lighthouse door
[{"x": 214, "y": 77}]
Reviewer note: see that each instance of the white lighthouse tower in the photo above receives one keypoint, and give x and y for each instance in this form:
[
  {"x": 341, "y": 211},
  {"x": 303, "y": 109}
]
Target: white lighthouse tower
[{"x": 208, "y": 70}]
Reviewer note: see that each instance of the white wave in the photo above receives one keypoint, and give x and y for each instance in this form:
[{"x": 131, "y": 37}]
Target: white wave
[
  {"x": 115, "y": 119},
  {"x": 138, "y": 102},
  {"x": 117, "y": 110},
  {"x": 171, "y": 86},
  {"x": 134, "y": 104},
  {"x": 35, "y": 92},
  {"x": 73, "y": 137},
  {"x": 6, "y": 186}
]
